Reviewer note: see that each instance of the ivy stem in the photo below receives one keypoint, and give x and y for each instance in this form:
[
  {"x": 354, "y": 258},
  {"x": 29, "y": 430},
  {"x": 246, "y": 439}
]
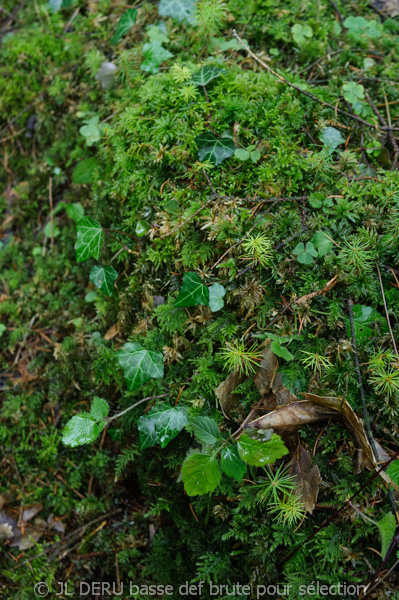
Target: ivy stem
[{"x": 134, "y": 406}]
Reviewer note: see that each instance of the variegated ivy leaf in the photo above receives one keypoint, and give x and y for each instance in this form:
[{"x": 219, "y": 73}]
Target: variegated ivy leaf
[
  {"x": 206, "y": 74},
  {"x": 139, "y": 365},
  {"x": 178, "y": 9},
  {"x": 126, "y": 22},
  {"x": 161, "y": 425},
  {"x": 104, "y": 278},
  {"x": 90, "y": 237},
  {"x": 214, "y": 149},
  {"x": 193, "y": 291},
  {"x": 154, "y": 55}
]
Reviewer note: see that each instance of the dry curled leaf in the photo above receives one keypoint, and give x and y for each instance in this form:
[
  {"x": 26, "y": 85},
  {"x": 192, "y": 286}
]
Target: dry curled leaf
[
  {"x": 267, "y": 378},
  {"x": 228, "y": 401},
  {"x": 308, "y": 478},
  {"x": 292, "y": 417}
]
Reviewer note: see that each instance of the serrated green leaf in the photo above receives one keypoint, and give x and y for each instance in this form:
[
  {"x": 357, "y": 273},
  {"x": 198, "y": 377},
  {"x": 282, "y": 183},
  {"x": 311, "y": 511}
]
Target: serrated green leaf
[
  {"x": 104, "y": 278},
  {"x": 200, "y": 474},
  {"x": 139, "y": 365},
  {"x": 260, "y": 452},
  {"x": 393, "y": 471},
  {"x": 81, "y": 429},
  {"x": 178, "y": 9},
  {"x": 90, "y": 237},
  {"x": 363, "y": 319},
  {"x": 99, "y": 408},
  {"x": 163, "y": 422},
  {"x": 322, "y": 243},
  {"x": 126, "y": 22},
  {"x": 193, "y": 291},
  {"x": 85, "y": 171},
  {"x": 386, "y": 527},
  {"x": 216, "y": 295},
  {"x": 214, "y": 149},
  {"x": 154, "y": 55},
  {"x": 205, "y": 429},
  {"x": 232, "y": 464},
  {"x": 206, "y": 74},
  {"x": 281, "y": 351}
]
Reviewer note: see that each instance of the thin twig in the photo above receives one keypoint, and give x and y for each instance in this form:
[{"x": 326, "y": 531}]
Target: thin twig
[
  {"x": 388, "y": 129},
  {"x": 50, "y": 199},
  {"x": 212, "y": 197},
  {"x": 386, "y": 310},
  {"x": 120, "y": 414},
  {"x": 298, "y": 89}
]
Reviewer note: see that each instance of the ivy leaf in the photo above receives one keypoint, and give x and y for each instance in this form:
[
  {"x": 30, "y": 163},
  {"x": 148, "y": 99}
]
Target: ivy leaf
[
  {"x": 305, "y": 254},
  {"x": 154, "y": 55},
  {"x": 201, "y": 474},
  {"x": 331, "y": 137},
  {"x": 386, "y": 527},
  {"x": 161, "y": 425},
  {"x": 147, "y": 434},
  {"x": 206, "y": 74},
  {"x": 232, "y": 464},
  {"x": 193, "y": 291},
  {"x": 261, "y": 450},
  {"x": 213, "y": 149},
  {"x": 363, "y": 319},
  {"x": 75, "y": 211},
  {"x": 281, "y": 351},
  {"x": 322, "y": 243},
  {"x": 85, "y": 171},
  {"x": 205, "y": 429},
  {"x": 216, "y": 295},
  {"x": 81, "y": 429},
  {"x": 139, "y": 365},
  {"x": 126, "y": 22},
  {"x": 99, "y": 408},
  {"x": 104, "y": 278},
  {"x": 393, "y": 471},
  {"x": 90, "y": 237},
  {"x": 55, "y": 5},
  {"x": 178, "y": 9}
]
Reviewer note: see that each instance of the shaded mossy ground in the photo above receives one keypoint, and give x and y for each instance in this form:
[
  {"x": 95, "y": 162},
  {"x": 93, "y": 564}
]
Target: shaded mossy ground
[{"x": 58, "y": 348}]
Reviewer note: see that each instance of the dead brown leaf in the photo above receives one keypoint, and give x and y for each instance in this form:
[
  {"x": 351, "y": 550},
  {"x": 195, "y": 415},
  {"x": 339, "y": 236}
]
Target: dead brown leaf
[
  {"x": 292, "y": 417},
  {"x": 267, "y": 379},
  {"x": 112, "y": 332},
  {"x": 228, "y": 401},
  {"x": 308, "y": 477}
]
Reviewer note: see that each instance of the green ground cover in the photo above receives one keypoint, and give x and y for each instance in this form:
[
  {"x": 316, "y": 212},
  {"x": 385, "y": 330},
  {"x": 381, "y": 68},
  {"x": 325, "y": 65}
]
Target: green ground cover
[{"x": 199, "y": 225}]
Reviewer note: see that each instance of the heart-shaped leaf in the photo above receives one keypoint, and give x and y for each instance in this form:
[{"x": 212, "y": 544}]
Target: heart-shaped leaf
[
  {"x": 193, "y": 291},
  {"x": 216, "y": 295},
  {"x": 104, "y": 278},
  {"x": 139, "y": 365}
]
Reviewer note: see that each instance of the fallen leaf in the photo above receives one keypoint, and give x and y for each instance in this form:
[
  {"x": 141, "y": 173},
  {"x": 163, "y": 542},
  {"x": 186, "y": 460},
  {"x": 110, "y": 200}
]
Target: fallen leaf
[
  {"x": 30, "y": 511},
  {"x": 267, "y": 378},
  {"x": 112, "y": 332},
  {"x": 292, "y": 417},
  {"x": 390, "y": 7},
  {"x": 224, "y": 392},
  {"x": 308, "y": 477}
]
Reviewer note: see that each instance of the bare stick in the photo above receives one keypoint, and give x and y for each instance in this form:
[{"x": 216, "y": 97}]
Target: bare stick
[
  {"x": 50, "y": 199},
  {"x": 387, "y": 127},
  {"x": 298, "y": 89}
]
